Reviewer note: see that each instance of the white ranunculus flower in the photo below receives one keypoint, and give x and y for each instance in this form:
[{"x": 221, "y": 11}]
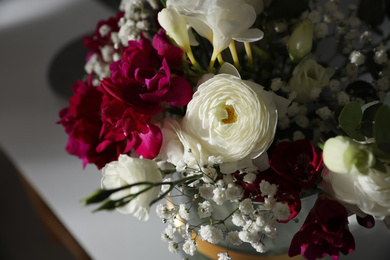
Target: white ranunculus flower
[
  {"x": 128, "y": 170},
  {"x": 308, "y": 79},
  {"x": 221, "y": 21},
  {"x": 231, "y": 119},
  {"x": 345, "y": 156},
  {"x": 370, "y": 192}
]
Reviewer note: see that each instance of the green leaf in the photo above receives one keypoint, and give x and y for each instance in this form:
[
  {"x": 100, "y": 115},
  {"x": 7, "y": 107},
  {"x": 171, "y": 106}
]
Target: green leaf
[
  {"x": 382, "y": 129},
  {"x": 97, "y": 196},
  {"x": 350, "y": 120},
  {"x": 369, "y": 113}
]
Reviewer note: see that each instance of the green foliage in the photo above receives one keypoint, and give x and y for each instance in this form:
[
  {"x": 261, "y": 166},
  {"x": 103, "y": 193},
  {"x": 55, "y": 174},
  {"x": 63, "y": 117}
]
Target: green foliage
[
  {"x": 382, "y": 129},
  {"x": 350, "y": 120},
  {"x": 369, "y": 112},
  {"x": 370, "y": 121}
]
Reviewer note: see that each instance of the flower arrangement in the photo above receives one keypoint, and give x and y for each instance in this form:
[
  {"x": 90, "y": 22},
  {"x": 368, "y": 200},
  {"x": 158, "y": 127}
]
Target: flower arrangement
[{"x": 244, "y": 105}]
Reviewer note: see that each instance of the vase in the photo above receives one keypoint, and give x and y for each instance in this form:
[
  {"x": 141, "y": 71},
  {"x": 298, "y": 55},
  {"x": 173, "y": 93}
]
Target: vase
[{"x": 277, "y": 248}]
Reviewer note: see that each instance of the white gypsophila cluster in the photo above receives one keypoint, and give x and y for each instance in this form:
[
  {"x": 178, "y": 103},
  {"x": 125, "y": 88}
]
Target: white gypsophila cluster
[
  {"x": 190, "y": 246},
  {"x": 357, "y": 58},
  {"x": 246, "y": 206},
  {"x": 298, "y": 135},
  {"x": 281, "y": 211},
  {"x": 210, "y": 234},
  {"x": 136, "y": 20},
  {"x": 343, "y": 98},
  {"x": 184, "y": 213},
  {"x": 165, "y": 213},
  {"x": 324, "y": 112},
  {"x": 302, "y": 121},
  {"x": 98, "y": 66},
  {"x": 267, "y": 189},
  {"x": 169, "y": 233},
  {"x": 380, "y": 56},
  {"x": 205, "y": 209},
  {"x": 249, "y": 177},
  {"x": 224, "y": 256},
  {"x": 173, "y": 247}
]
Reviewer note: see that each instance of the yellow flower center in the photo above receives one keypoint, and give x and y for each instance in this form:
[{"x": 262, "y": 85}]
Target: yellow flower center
[{"x": 231, "y": 116}]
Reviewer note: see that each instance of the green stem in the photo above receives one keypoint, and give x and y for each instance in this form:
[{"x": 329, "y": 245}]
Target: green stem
[{"x": 233, "y": 51}]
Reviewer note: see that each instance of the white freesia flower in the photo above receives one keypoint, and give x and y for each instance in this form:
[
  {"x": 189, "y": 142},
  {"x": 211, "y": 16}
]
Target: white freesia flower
[
  {"x": 221, "y": 21},
  {"x": 176, "y": 28},
  {"x": 343, "y": 155},
  {"x": 128, "y": 170},
  {"x": 232, "y": 119},
  {"x": 308, "y": 79},
  {"x": 370, "y": 192}
]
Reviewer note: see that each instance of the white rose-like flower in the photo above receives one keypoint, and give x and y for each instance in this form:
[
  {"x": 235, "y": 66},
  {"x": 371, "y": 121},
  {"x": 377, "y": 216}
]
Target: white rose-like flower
[
  {"x": 128, "y": 170},
  {"x": 370, "y": 192},
  {"x": 231, "y": 118},
  {"x": 309, "y": 78}
]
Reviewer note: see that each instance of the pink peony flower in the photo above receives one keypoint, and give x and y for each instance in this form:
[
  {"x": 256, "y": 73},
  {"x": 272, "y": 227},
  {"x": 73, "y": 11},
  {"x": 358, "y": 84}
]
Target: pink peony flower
[
  {"x": 325, "y": 231},
  {"x": 297, "y": 162}
]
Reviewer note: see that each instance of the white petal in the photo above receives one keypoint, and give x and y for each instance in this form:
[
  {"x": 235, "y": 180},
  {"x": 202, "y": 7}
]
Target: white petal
[{"x": 250, "y": 35}]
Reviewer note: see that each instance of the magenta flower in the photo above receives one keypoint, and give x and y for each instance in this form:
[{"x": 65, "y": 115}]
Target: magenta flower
[
  {"x": 297, "y": 162},
  {"x": 325, "y": 231},
  {"x": 83, "y": 123},
  {"x": 141, "y": 80}
]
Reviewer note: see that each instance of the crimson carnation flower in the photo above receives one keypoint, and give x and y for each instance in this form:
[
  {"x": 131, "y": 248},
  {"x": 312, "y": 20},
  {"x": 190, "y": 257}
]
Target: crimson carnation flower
[
  {"x": 297, "y": 162},
  {"x": 140, "y": 83},
  {"x": 325, "y": 231},
  {"x": 83, "y": 123},
  {"x": 143, "y": 81}
]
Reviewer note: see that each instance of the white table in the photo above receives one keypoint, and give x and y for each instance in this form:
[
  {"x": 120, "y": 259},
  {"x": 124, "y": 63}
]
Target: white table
[{"x": 31, "y": 33}]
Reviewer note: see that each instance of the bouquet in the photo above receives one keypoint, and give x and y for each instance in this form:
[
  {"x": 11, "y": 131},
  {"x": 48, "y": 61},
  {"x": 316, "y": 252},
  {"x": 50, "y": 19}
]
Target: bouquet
[{"x": 242, "y": 107}]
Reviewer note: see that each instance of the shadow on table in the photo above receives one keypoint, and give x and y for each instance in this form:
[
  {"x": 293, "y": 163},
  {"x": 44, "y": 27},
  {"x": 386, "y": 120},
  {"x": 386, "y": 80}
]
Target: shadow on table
[{"x": 28, "y": 228}]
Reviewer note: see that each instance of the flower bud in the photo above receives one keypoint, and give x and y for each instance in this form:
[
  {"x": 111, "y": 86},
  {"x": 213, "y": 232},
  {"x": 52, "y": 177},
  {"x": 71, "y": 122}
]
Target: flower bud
[
  {"x": 175, "y": 26},
  {"x": 301, "y": 40},
  {"x": 345, "y": 156}
]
